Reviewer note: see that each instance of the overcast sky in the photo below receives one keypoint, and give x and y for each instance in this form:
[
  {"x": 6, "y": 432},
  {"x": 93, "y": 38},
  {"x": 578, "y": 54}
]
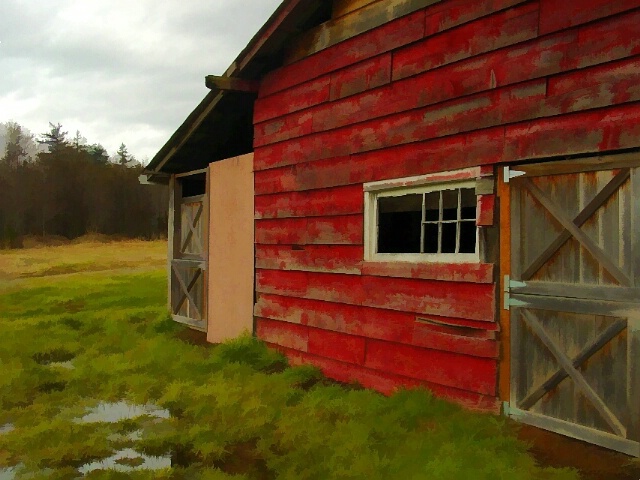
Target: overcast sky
[{"x": 117, "y": 70}]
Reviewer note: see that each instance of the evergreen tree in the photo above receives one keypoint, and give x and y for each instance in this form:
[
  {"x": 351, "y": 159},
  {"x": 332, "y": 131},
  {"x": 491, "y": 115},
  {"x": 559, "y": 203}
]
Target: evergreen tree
[
  {"x": 123, "y": 155},
  {"x": 14, "y": 152},
  {"x": 55, "y": 139},
  {"x": 79, "y": 141},
  {"x": 98, "y": 153}
]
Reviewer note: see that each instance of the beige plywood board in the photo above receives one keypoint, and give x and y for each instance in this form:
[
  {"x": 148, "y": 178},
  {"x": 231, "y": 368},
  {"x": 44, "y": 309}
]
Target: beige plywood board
[{"x": 231, "y": 248}]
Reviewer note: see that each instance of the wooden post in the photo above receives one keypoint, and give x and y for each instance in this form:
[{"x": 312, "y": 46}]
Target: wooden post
[{"x": 504, "y": 195}]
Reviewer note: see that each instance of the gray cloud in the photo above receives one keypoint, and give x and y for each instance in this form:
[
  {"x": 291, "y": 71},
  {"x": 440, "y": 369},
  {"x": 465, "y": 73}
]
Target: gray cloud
[{"x": 117, "y": 70}]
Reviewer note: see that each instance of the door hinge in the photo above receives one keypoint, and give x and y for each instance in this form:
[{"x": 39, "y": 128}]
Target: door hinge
[
  {"x": 508, "y": 285},
  {"x": 509, "y": 174}
]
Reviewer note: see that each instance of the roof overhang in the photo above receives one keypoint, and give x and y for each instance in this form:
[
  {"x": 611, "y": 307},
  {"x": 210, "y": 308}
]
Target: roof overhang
[{"x": 221, "y": 126}]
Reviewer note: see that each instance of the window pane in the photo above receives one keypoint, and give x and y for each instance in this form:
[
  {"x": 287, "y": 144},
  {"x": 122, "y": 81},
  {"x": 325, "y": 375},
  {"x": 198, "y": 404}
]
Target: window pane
[
  {"x": 399, "y": 223},
  {"x": 450, "y": 204},
  {"x": 432, "y": 205},
  {"x": 431, "y": 238},
  {"x": 467, "y": 237},
  {"x": 449, "y": 237},
  {"x": 469, "y": 201}
]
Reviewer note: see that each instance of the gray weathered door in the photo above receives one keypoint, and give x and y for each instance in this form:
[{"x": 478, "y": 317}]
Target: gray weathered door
[
  {"x": 574, "y": 297},
  {"x": 188, "y": 244}
]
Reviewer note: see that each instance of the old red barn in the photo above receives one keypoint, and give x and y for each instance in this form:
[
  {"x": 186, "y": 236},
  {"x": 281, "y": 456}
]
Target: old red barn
[{"x": 422, "y": 192}]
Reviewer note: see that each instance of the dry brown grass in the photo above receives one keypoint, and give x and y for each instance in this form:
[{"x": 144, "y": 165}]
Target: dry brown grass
[{"x": 94, "y": 255}]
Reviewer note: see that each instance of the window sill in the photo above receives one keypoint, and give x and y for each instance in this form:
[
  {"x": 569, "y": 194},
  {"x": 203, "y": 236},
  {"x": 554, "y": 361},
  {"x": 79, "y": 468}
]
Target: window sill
[{"x": 446, "y": 272}]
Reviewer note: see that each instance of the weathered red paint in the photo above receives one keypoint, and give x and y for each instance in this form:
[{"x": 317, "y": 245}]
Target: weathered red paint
[
  {"x": 445, "y": 15},
  {"x": 600, "y": 86},
  {"x": 345, "y": 230},
  {"x": 380, "y": 40},
  {"x": 443, "y": 368},
  {"x": 310, "y": 203},
  {"x": 483, "y": 35},
  {"x": 346, "y": 348},
  {"x": 486, "y": 210},
  {"x": 311, "y": 258},
  {"x": 459, "y": 84},
  {"x": 361, "y": 77},
  {"x": 597, "y": 131},
  {"x": 297, "y": 98},
  {"x": 448, "y": 272},
  {"x": 605, "y": 41},
  {"x": 453, "y": 152},
  {"x": 285, "y": 334},
  {"x": 555, "y": 15},
  {"x": 487, "y": 109},
  {"x": 448, "y": 299},
  {"x": 388, "y": 383}
]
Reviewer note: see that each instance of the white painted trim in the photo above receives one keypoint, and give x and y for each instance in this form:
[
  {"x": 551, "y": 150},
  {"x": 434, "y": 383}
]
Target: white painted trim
[
  {"x": 465, "y": 178},
  {"x": 439, "y": 177}
]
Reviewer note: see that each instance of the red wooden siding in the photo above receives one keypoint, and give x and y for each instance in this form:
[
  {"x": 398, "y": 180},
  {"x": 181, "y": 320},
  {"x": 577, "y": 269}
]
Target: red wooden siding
[{"x": 458, "y": 84}]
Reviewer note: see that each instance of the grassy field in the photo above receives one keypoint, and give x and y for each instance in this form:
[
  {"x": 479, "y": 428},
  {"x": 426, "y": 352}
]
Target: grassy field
[{"x": 97, "y": 380}]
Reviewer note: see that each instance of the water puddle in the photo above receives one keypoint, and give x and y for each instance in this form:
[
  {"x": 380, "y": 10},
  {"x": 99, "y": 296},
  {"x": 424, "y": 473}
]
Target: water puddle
[
  {"x": 128, "y": 460},
  {"x": 64, "y": 365},
  {"x": 57, "y": 355},
  {"x": 118, "y": 411},
  {"x": 9, "y": 473},
  {"x": 6, "y": 428}
]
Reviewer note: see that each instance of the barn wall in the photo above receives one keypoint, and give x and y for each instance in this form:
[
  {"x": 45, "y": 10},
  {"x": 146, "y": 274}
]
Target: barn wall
[{"x": 454, "y": 85}]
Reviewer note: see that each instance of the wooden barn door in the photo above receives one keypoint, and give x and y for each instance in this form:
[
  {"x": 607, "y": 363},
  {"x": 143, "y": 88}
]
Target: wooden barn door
[
  {"x": 574, "y": 299},
  {"x": 188, "y": 220}
]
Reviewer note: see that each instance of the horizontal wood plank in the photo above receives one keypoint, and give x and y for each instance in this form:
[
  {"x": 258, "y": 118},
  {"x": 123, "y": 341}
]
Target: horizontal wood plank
[
  {"x": 592, "y": 131},
  {"x": 446, "y": 299},
  {"x": 361, "y": 77},
  {"x": 297, "y": 98},
  {"x": 462, "y": 336},
  {"x": 483, "y": 35},
  {"x": 601, "y": 86},
  {"x": 448, "y": 342},
  {"x": 484, "y": 110},
  {"x": 328, "y": 344},
  {"x": 278, "y": 129},
  {"x": 556, "y": 15},
  {"x": 442, "y": 368},
  {"x": 323, "y": 202},
  {"x": 452, "y": 13},
  {"x": 338, "y": 317},
  {"x": 282, "y": 333},
  {"x": 351, "y": 25},
  {"x": 455, "y": 152},
  {"x": 311, "y": 258},
  {"x": 504, "y": 67},
  {"x": 608, "y": 40},
  {"x": 452, "y": 272},
  {"x": 383, "y": 39},
  {"x": 388, "y": 383},
  {"x": 339, "y": 230},
  {"x": 342, "y": 7}
]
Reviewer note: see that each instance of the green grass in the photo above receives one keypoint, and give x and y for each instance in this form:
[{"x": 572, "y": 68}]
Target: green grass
[{"x": 235, "y": 412}]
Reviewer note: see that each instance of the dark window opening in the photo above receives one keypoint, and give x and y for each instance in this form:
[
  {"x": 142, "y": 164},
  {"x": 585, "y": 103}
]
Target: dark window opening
[
  {"x": 434, "y": 222},
  {"x": 194, "y": 185},
  {"x": 399, "y": 224}
]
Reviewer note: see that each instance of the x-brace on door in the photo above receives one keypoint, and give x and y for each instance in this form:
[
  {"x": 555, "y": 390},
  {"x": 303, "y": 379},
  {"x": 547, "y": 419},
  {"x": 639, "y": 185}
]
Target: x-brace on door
[{"x": 574, "y": 298}]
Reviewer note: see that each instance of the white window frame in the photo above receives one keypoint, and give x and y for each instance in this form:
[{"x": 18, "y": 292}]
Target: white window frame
[{"x": 453, "y": 180}]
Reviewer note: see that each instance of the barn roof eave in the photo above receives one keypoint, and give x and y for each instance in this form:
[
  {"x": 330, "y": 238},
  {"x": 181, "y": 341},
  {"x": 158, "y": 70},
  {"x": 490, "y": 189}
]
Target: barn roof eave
[{"x": 181, "y": 152}]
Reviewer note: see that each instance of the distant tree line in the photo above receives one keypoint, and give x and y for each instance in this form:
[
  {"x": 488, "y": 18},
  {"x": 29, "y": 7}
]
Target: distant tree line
[{"x": 70, "y": 188}]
